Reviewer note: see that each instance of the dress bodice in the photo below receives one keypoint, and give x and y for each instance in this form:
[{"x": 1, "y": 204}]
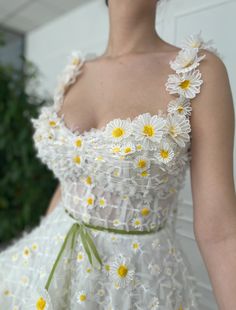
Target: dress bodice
[{"x": 127, "y": 174}]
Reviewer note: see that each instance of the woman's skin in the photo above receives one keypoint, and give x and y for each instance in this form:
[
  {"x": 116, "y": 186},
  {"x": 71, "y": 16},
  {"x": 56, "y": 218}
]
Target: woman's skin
[{"x": 137, "y": 58}]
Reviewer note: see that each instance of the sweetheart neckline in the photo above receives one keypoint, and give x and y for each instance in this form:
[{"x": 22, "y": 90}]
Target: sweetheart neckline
[{"x": 76, "y": 132}]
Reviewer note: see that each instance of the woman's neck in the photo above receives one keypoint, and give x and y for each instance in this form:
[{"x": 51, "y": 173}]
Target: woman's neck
[{"x": 132, "y": 27}]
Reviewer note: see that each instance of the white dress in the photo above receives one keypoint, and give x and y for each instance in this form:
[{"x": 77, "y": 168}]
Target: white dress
[{"x": 123, "y": 180}]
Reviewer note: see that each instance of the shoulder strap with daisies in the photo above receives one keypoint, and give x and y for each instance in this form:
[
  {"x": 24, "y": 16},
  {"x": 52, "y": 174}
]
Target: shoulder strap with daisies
[
  {"x": 68, "y": 76},
  {"x": 186, "y": 82}
]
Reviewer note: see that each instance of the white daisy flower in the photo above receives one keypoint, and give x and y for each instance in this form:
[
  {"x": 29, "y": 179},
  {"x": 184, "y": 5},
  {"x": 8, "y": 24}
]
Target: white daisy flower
[
  {"x": 78, "y": 142},
  {"x": 154, "y": 303},
  {"x": 106, "y": 268},
  {"x": 164, "y": 153},
  {"x": 81, "y": 297},
  {"x": 115, "y": 148},
  {"x": 141, "y": 163},
  {"x": 121, "y": 272},
  {"x": 139, "y": 147},
  {"x": 80, "y": 256},
  {"x": 35, "y": 246},
  {"x": 185, "y": 84},
  {"x": 26, "y": 252},
  {"x": 118, "y": 129},
  {"x": 116, "y": 222},
  {"x": 196, "y": 41},
  {"x": 186, "y": 60},
  {"x": 77, "y": 159},
  {"x": 136, "y": 246},
  {"x": 145, "y": 211},
  {"x": 137, "y": 222},
  {"x": 178, "y": 127},
  {"x": 76, "y": 58},
  {"x": 180, "y": 105},
  {"x": 88, "y": 180},
  {"x": 102, "y": 202},
  {"x": 90, "y": 200},
  {"x": 144, "y": 173},
  {"x": 128, "y": 148},
  {"x": 148, "y": 129}
]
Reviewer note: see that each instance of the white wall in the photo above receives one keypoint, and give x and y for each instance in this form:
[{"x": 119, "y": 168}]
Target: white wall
[{"x": 87, "y": 28}]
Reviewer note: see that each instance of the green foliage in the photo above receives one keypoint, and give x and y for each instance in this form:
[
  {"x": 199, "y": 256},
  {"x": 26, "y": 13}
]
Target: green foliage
[{"x": 26, "y": 185}]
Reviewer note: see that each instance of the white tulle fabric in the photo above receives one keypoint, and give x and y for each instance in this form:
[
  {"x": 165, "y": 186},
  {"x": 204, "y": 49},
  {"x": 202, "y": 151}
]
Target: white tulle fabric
[{"x": 126, "y": 175}]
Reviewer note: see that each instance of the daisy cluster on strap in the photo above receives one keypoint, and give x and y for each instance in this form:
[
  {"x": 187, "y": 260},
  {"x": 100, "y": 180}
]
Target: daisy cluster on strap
[{"x": 186, "y": 81}]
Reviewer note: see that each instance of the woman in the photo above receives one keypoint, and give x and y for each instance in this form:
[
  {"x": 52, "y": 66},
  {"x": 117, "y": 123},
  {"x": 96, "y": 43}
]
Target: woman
[{"x": 121, "y": 154}]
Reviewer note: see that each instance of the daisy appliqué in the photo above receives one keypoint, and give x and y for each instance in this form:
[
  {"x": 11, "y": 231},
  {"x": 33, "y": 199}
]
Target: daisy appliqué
[
  {"x": 186, "y": 84},
  {"x": 121, "y": 271},
  {"x": 178, "y": 128},
  {"x": 165, "y": 152},
  {"x": 82, "y": 297},
  {"x": 181, "y": 106},
  {"x": 186, "y": 60},
  {"x": 148, "y": 130},
  {"x": 117, "y": 130}
]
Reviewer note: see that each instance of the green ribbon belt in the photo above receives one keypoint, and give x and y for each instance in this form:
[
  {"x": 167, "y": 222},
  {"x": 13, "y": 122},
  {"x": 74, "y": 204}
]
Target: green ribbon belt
[{"x": 88, "y": 244}]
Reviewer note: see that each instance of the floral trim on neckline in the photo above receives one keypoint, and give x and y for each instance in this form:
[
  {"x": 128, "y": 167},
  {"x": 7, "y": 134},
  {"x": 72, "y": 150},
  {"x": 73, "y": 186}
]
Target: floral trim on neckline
[{"x": 185, "y": 83}]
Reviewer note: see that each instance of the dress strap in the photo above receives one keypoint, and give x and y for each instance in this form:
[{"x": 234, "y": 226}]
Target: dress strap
[
  {"x": 187, "y": 80},
  {"x": 76, "y": 60}
]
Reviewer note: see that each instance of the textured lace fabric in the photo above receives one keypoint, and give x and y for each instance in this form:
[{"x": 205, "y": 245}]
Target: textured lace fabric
[{"x": 126, "y": 175}]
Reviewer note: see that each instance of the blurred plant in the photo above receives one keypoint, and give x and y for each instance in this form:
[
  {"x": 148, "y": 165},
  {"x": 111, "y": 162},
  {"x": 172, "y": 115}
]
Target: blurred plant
[{"x": 26, "y": 185}]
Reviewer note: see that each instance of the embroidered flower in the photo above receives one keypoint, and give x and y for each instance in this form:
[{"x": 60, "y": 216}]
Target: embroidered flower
[
  {"x": 148, "y": 130},
  {"x": 154, "y": 269},
  {"x": 26, "y": 252},
  {"x": 164, "y": 153},
  {"x": 136, "y": 246},
  {"x": 178, "y": 128},
  {"x": 80, "y": 256},
  {"x": 137, "y": 222},
  {"x": 90, "y": 200},
  {"x": 34, "y": 246},
  {"x": 115, "y": 148},
  {"x": 128, "y": 148},
  {"x": 142, "y": 162},
  {"x": 116, "y": 222},
  {"x": 88, "y": 180},
  {"x": 186, "y": 60},
  {"x": 118, "y": 129},
  {"x": 81, "y": 297},
  {"x": 121, "y": 271},
  {"x": 185, "y": 84},
  {"x": 76, "y": 58},
  {"x": 106, "y": 268},
  {"x": 180, "y": 106},
  {"x": 102, "y": 202},
  {"x": 145, "y": 211}
]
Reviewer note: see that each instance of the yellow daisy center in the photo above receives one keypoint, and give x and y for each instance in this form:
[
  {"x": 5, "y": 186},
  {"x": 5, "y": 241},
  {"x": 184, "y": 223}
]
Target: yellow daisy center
[
  {"x": 52, "y": 123},
  {"x": 102, "y": 202},
  {"x": 41, "y": 304},
  {"x": 145, "y": 211},
  {"x": 135, "y": 245},
  {"x": 88, "y": 270},
  {"x": 26, "y": 252},
  {"x": 172, "y": 130},
  {"x": 82, "y": 297},
  {"x": 116, "y": 149},
  {"x": 118, "y": 132},
  {"x": 75, "y": 61},
  {"x": 77, "y": 159},
  {"x": 107, "y": 267},
  {"x": 148, "y": 130},
  {"x": 128, "y": 149},
  {"x": 164, "y": 153},
  {"x": 89, "y": 180},
  {"x": 180, "y": 109},
  {"x": 139, "y": 146},
  {"x": 137, "y": 222},
  {"x": 185, "y": 84},
  {"x": 6, "y": 292},
  {"x": 78, "y": 142},
  {"x": 144, "y": 173},
  {"x": 142, "y": 163},
  {"x": 122, "y": 271},
  {"x": 90, "y": 200},
  {"x": 80, "y": 256}
]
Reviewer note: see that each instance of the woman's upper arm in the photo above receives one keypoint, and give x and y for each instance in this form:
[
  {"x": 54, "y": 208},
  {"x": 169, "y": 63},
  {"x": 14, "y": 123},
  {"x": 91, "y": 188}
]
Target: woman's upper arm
[{"x": 212, "y": 147}]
